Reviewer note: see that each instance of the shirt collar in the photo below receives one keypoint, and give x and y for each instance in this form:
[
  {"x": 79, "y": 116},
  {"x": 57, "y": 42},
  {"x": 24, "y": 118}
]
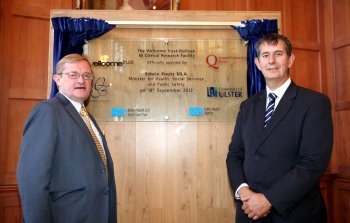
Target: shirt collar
[
  {"x": 280, "y": 90},
  {"x": 76, "y": 104}
]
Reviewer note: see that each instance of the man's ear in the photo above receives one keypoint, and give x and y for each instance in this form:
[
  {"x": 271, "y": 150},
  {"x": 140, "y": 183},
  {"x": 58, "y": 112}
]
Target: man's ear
[
  {"x": 291, "y": 60},
  {"x": 57, "y": 79},
  {"x": 257, "y": 63}
]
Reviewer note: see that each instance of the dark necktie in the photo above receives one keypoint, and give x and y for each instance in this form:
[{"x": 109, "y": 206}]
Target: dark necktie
[
  {"x": 270, "y": 108},
  {"x": 86, "y": 118}
]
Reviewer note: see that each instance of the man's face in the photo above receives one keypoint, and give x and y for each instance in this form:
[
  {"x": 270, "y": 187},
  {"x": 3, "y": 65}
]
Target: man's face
[
  {"x": 76, "y": 89},
  {"x": 274, "y": 62}
]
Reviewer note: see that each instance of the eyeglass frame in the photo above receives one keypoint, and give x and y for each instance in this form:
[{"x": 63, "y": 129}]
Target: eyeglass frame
[{"x": 86, "y": 75}]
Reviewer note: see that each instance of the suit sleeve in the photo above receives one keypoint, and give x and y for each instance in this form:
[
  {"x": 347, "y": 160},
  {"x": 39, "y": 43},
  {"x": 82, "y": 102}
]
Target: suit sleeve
[
  {"x": 35, "y": 163},
  {"x": 235, "y": 156},
  {"x": 315, "y": 147}
]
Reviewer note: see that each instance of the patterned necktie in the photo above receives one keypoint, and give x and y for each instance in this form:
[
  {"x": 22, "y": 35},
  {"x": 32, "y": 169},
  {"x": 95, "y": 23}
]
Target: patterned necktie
[
  {"x": 86, "y": 118},
  {"x": 270, "y": 108}
]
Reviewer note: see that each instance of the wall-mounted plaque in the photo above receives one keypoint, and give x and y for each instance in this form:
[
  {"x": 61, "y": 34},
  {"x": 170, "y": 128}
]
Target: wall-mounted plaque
[{"x": 167, "y": 79}]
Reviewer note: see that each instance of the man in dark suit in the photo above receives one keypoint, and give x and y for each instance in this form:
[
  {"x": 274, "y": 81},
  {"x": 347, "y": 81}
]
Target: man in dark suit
[
  {"x": 275, "y": 162},
  {"x": 62, "y": 177}
]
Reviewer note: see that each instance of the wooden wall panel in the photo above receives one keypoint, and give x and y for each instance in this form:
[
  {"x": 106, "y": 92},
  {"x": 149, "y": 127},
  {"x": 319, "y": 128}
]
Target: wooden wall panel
[
  {"x": 326, "y": 190},
  {"x": 341, "y": 19},
  {"x": 306, "y": 16},
  {"x": 172, "y": 172},
  {"x": 3, "y": 81},
  {"x": 340, "y": 50},
  {"x": 342, "y": 73},
  {"x": 268, "y": 5},
  {"x": 38, "y": 8},
  {"x": 342, "y": 153},
  {"x": 213, "y": 188},
  {"x": 3, "y": 37},
  {"x": 341, "y": 193},
  {"x": 28, "y": 73},
  {"x": 225, "y": 5},
  {"x": 10, "y": 210},
  {"x": 218, "y": 5},
  {"x": 306, "y": 69},
  {"x": 195, "y": 5}
]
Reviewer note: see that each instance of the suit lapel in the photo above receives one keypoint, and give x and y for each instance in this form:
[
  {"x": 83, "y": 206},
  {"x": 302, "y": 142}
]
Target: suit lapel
[
  {"x": 259, "y": 112},
  {"x": 76, "y": 117},
  {"x": 282, "y": 109},
  {"x": 80, "y": 122}
]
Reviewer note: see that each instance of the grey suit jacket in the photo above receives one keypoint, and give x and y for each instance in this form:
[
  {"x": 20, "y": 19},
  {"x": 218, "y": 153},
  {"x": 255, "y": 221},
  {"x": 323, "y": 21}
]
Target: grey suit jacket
[
  {"x": 285, "y": 160},
  {"x": 60, "y": 174}
]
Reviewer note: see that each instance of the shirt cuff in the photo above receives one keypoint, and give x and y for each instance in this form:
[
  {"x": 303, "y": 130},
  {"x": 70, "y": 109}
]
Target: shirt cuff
[{"x": 240, "y": 186}]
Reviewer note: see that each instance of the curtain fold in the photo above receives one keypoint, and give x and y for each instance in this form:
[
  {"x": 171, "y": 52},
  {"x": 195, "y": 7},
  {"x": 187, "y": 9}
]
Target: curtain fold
[
  {"x": 70, "y": 35},
  {"x": 251, "y": 32}
]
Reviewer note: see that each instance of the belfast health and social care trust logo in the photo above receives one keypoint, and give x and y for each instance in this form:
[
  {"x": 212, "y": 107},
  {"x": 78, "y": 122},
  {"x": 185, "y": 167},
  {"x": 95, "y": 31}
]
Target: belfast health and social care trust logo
[{"x": 216, "y": 91}]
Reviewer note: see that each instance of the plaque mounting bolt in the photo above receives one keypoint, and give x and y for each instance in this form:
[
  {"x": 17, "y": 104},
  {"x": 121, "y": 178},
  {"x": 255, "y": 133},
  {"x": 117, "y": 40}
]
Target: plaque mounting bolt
[{"x": 166, "y": 117}]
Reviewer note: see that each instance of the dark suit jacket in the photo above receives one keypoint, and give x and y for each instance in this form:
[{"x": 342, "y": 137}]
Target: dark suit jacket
[
  {"x": 60, "y": 174},
  {"x": 286, "y": 160}
]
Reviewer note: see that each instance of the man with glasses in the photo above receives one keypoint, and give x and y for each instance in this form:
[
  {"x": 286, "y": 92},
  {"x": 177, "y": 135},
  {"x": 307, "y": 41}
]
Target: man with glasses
[{"x": 65, "y": 172}]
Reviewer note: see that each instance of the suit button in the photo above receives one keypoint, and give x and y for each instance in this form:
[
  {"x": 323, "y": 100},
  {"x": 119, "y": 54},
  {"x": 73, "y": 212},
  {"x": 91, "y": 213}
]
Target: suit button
[{"x": 106, "y": 191}]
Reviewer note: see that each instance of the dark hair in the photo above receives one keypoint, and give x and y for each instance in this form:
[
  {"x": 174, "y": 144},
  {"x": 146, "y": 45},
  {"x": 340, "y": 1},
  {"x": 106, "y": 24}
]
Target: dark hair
[{"x": 272, "y": 39}]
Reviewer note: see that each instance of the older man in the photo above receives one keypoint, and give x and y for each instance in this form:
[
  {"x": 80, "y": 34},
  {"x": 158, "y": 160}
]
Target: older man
[{"x": 65, "y": 172}]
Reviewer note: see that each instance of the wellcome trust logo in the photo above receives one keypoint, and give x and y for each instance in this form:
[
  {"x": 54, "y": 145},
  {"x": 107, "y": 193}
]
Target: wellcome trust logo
[
  {"x": 107, "y": 63},
  {"x": 224, "y": 92},
  {"x": 111, "y": 63}
]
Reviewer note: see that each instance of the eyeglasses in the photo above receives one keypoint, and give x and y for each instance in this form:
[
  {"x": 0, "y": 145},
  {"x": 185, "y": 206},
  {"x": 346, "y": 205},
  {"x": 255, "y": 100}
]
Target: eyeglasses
[{"x": 76, "y": 75}]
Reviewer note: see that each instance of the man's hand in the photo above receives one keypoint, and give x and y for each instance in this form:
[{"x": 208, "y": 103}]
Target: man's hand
[{"x": 255, "y": 205}]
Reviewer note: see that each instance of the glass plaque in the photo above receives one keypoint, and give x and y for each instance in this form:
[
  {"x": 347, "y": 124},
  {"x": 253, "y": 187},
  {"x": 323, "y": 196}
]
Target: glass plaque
[{"x": 167, "y": 79}]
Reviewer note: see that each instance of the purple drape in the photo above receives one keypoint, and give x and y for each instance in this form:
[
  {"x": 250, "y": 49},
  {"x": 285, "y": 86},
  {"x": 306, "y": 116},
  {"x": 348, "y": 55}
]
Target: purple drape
[
  {"x": 70, "y": 34},
  {"x": 251, "y": 32}
]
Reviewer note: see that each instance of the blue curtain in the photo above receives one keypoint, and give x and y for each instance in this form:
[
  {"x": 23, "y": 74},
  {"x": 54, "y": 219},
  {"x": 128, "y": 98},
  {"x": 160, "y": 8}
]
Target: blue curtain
[
  {"x": 70, "y": 34},
  {"x": 251, "y": 32}
]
